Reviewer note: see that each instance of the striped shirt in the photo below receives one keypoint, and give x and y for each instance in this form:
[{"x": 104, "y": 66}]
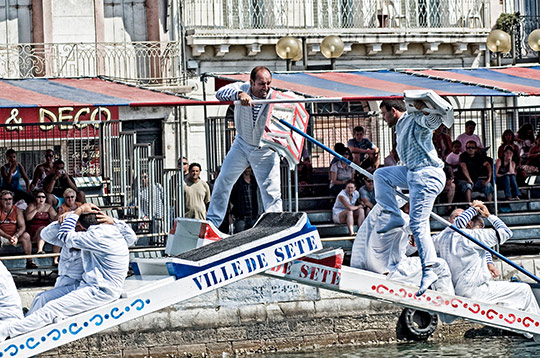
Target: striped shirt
[
  {"x": 414, "y": 140},
  {"x": 468, "y": 261},
  {"x": 230, "y": 93}
]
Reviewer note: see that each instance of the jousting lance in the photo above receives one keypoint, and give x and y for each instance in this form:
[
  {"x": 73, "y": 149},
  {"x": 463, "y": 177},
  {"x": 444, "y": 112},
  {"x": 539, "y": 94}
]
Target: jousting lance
[{"x": 433, "y": 215}]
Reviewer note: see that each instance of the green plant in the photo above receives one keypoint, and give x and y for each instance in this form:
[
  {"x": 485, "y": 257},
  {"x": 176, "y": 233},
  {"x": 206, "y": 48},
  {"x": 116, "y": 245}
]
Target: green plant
[{"x": 507, "y": 22}]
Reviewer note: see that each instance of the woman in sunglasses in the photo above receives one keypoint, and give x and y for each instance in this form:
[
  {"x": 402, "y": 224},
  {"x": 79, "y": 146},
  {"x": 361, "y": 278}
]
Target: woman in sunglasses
[{"x": 38, "y": 215}]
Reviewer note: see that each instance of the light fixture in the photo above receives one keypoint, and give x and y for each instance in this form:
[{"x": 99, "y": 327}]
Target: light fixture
[
  {"x": 534, "y": 42},
  {"x": 332, "y": 47},
  {"x": 300, "y": 54},
  {"x": 287, "y": 48},
  {"x": 499, "y": 42}
]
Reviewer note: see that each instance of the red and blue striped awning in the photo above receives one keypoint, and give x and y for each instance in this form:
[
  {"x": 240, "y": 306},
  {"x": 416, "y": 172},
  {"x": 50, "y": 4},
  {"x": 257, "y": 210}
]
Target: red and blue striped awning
[
  {"x": 360, "y": 85},
  {"x": 384, "y": 83},
  {"x": 518, "y": 80},
  {"x": 80, "y": 92}
]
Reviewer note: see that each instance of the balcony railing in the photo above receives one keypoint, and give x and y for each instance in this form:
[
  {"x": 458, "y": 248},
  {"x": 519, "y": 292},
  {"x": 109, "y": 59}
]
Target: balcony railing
[
  {"x": 137, "y": 62},
  {"x": 527, "y": 25},
  {"x": 334, "y": 14}
]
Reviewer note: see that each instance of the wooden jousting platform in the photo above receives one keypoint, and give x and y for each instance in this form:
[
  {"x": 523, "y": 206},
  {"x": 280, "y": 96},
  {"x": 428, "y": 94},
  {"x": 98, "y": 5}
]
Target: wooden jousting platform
[{"x": 278, "y": 239}]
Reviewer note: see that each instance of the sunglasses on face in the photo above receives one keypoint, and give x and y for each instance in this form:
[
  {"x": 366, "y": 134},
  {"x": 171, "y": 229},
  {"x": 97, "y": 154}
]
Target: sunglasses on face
[{"x": 40, "y": 197}]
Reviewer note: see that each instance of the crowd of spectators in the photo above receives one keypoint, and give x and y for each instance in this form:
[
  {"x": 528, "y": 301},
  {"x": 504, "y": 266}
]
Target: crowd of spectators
[
  {"x": 26, "y": 210},
  {"x": 468, "y": 168}
]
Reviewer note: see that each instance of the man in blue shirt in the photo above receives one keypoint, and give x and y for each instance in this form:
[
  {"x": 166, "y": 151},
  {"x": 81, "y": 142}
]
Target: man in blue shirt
[
  {"x": 422, "y": 173},
  {"x": 363, "y": 149}
]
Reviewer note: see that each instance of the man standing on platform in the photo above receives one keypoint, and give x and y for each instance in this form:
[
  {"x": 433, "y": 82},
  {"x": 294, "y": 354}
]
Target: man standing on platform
[
  {"x": 250, "y": 121},
  {"x": 422, "y": 173}
]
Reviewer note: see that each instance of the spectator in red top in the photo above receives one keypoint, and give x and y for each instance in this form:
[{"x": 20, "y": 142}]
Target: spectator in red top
[
  {"x": 39, "y": 214},
  {"x": 12, "y": 227}
]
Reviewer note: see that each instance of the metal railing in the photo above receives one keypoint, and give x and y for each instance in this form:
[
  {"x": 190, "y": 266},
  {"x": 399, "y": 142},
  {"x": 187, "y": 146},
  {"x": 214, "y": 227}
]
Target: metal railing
[
  {"x": 334, "y": 14},
  {"x": 527, "y": 25},
  {"x": 147, "y": 63}
]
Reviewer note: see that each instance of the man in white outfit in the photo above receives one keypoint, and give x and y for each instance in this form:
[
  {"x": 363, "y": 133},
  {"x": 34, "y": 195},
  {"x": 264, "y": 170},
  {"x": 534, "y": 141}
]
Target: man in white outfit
[
  {"x": 70, "y": 267},
  {"x": 422, "y": 173},
  {"x": 105, "y": 258},
  {"x": 10, "y": 302},
  {"x": 249, "y": 120},
  {"x": 467, "y": 262}
]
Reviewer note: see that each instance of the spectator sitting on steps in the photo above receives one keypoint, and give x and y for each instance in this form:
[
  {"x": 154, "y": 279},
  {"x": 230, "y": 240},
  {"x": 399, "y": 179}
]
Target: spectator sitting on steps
[
  {"x": 348, "y": 207},
  {"x": 42, "y": 170},
  {"x": 56, "y": 183},
  {"x": 469, "y": 135},
  {"x": 475, "y": 173},
  {"x": 340, "y": 173},
  {"x": 12, "y": 172},
  {"x": 38, "y": 215},
  {"x": 12, "y": 226}
]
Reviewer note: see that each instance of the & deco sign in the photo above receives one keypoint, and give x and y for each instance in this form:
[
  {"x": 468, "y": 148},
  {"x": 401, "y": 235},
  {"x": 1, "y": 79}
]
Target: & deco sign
[{"x": 49, "y": 118}]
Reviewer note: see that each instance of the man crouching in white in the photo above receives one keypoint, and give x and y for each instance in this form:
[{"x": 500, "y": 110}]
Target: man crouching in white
[
  {"x": 105, "y": 258},
  {"x": 467, "y": 262},
  {"x": 386, "y": 253}
]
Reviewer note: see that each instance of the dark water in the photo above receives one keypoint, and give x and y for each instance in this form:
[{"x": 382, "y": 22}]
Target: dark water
[{"x": 508, "y": 347}]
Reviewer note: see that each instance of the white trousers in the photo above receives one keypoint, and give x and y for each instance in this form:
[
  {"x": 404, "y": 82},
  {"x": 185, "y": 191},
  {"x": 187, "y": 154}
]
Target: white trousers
[
  {"x": 516, "y": 295},
  {"x": 424, "y": 185},
  {"x": 80, "y": 300},
  {"x": 43, "y": 297},
  {"x": 10, "y": 302},
  {"x": 265, "y": 165}
]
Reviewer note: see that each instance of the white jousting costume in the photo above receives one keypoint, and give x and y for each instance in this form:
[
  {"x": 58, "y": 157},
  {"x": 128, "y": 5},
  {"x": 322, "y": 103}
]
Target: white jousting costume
[
  {"x": 70, "y": 266},
  {"x": 246, "y": 151},
  {"x": 10, "y": 302},
  {"x": 468, "y": 264},
  {"x": 105, "y": 259},
  {"x": 386, "y": 253}
]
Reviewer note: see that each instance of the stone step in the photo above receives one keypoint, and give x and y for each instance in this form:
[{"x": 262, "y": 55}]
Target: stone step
[
  {"x": 316, "y": 203},
  {"x": 339, "y": 242},
  {"x": 334, "y": 230},
  {"x": 320, "y": 216},
  {"x": 525, "y": 235}
]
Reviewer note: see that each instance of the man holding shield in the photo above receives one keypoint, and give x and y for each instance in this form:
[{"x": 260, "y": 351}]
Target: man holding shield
[
  {"x": 250, "y": 120},
  {"x": 422, "y": 174}
]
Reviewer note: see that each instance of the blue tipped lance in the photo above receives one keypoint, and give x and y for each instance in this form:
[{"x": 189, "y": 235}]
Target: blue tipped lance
[{"x": 433, "y": 215}]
